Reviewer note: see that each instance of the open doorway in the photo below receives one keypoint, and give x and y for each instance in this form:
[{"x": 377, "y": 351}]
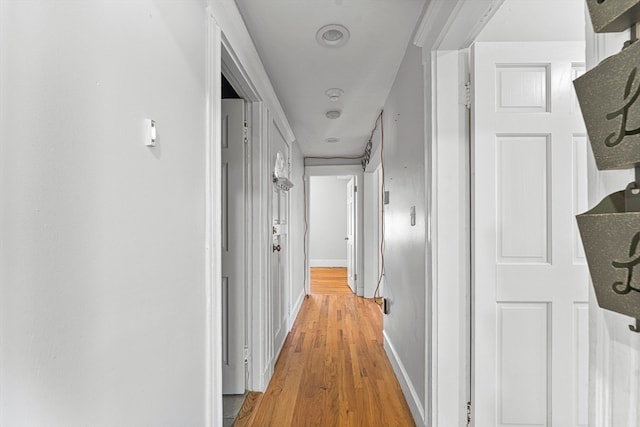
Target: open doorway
[
  {"x": 234, "y": 180},
  {"x": 332, "y": 248},
  {"x": 335, "y": 220}
]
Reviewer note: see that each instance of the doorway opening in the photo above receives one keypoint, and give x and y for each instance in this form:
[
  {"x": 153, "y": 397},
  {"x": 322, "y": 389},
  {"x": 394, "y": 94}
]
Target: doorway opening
[
  {"x": 334, "y": 217},
  {"x": 234, "y": 234},
  {"x": 332, "y": 234}
]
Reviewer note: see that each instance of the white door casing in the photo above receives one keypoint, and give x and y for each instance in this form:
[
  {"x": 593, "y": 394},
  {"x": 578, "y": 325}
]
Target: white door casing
[
  {"x": 233, "y": 246},
  {"x": 351, "y": 234},
  {"x": 530, "y": 286}
]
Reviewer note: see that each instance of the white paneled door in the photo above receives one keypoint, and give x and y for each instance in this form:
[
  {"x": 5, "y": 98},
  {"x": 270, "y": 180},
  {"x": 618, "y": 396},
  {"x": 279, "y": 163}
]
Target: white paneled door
[
  {"x": 233, "y": 246},
  {"x": 530, "y": 285},
  {"x": 351, "y": 235},
  {"x": 278, "y": 290}
]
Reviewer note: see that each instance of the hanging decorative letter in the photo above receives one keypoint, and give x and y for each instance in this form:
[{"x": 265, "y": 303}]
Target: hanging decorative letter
[{"x": 609, "y": 16}]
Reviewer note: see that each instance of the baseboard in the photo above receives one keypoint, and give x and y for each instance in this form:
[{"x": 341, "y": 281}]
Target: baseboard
[
  {"x": 296, "y": 309},
  {"x": 328, "y": 263},
  {"x": 417, "y": 409}
]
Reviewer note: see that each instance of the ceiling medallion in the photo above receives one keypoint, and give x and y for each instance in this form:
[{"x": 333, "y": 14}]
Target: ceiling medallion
[{"x": 333, "y": 35}]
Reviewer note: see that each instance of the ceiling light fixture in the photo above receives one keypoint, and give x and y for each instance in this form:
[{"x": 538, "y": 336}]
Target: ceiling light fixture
[
  {"x": 333, "y": 114},
  {"x": 332, "y": 140},
  {"x": 333, "y": 35},
  {"x": 334, "y": 94}
]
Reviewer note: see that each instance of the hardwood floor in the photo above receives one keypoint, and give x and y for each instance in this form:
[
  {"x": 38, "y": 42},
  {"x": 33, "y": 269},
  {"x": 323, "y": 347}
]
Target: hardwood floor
[
  {"x": 333, "y": 370},
  {"x": 329, "y": 280}
]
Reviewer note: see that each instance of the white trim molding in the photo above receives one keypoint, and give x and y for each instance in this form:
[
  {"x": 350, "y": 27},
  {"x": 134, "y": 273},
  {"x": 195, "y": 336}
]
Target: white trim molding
[
  {"x": 453, "y": 25},
  {"x": 408, "y": 389},
  {"x": 236, "y": 35},
  {"x": 212, "y": 243},
  {"x": 447, "y": 27}
]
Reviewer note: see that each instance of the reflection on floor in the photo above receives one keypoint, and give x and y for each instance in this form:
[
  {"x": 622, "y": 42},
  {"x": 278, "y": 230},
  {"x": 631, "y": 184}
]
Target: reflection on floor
[{"x": 231, "y": 404}]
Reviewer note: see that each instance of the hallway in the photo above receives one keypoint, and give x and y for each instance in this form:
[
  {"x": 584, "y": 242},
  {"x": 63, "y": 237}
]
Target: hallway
[{"x": 333, "y": 370}]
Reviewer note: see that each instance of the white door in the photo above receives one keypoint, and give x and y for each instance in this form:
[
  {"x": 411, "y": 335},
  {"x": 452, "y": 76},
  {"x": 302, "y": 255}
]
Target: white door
[
  {"x": 278, "y": 296},
  {"x": 529, "y": 151},
  {"x": 233, "y": 246},
  {"x": 351, "y": 235}
]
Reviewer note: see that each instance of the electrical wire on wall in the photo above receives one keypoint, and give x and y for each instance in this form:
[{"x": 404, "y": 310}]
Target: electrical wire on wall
[
  {"x": 376, "y": 293},
  {"x": 364, "y": 161}
]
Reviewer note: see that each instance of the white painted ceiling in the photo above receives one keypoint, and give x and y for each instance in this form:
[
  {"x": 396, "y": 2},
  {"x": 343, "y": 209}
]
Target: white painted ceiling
[
  {"x": 284, "y": 32},
  {"x": 536, "y": 20}
]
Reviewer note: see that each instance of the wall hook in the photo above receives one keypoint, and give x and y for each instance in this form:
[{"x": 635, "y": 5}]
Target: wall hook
[{"x": 635, "y": 328}]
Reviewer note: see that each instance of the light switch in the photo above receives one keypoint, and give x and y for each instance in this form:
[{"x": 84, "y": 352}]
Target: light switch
[{"x": 150, "y": 130}]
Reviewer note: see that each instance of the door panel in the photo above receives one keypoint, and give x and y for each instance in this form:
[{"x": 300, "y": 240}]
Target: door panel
[
  {"x": 530, "y": 352},
  {"x": 233, "y": 243},
  {"x": 278, "y": 287}
]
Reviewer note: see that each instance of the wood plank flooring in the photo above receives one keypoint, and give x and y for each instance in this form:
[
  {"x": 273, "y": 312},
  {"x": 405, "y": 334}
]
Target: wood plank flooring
[
  {"x": 329, "y": 280},
  {"x": 333, "y": 370}
]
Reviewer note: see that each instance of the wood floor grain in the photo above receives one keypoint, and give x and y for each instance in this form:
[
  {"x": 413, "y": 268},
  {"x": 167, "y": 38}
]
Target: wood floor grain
[
  {"x": 329, "y": 280},
  {"x": 333, "y": 370}
]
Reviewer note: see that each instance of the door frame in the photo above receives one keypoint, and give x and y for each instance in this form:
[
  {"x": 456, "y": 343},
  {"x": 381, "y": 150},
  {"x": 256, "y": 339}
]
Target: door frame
[
  {"x": 446, "y": 30},
  {"x": 339, "y": 170},
  {"x": 229, "y": 49}
]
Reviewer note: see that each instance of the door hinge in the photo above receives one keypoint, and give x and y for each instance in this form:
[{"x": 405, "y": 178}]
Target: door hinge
[
  {"x": 355, "y": 276},
  {"x": 468, "y": 414},
  {"x": 467, "y": 95},
  {"x": 355, "y": 188},
  {"x": 245, "y": 133},
  {"x": 246, "y": 354}
]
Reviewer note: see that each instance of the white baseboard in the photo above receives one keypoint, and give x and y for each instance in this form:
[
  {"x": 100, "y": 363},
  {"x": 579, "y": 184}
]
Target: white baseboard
[
  {"x": 417, "y": 409},
  {"x": 328, "y": 263},
  {"x": 296, "y": 309}
]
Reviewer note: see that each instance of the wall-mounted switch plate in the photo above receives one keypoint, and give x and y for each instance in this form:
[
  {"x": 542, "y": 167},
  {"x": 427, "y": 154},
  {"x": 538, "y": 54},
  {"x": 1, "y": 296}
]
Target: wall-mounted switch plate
[{"x": 150, "y": 132}]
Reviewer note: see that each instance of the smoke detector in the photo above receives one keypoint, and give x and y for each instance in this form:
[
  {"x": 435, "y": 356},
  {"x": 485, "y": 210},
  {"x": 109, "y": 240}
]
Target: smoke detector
[
  {"x": 334, "y": 94},
  {"x": 333, "y": 114},
  {"x": 333, "y": 35}
]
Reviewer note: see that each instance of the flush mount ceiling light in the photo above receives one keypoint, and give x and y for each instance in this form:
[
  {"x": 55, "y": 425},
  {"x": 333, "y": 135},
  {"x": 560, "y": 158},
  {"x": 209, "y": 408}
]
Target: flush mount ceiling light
[
  {"x": 332, "y": 140},
  {"x": 333, "y": 114},
  {"x": 334, "y": 94},
  {"x": 333, "y": 35}
]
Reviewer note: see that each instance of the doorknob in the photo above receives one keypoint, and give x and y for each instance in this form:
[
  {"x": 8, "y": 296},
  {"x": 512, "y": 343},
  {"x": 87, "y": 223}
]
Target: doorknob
[
  {"x": 346, "y": 238},
  {"x": 276, "y": 248}
]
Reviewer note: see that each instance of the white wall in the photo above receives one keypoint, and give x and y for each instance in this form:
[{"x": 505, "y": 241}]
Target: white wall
[
  {"x": 328, "y": 221},
  {"x": 614, "y": 351},
  {"x": 536, "y": 20},
  {"x": 102, "y": 295},
  {"x": 404, "y": 285}
]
